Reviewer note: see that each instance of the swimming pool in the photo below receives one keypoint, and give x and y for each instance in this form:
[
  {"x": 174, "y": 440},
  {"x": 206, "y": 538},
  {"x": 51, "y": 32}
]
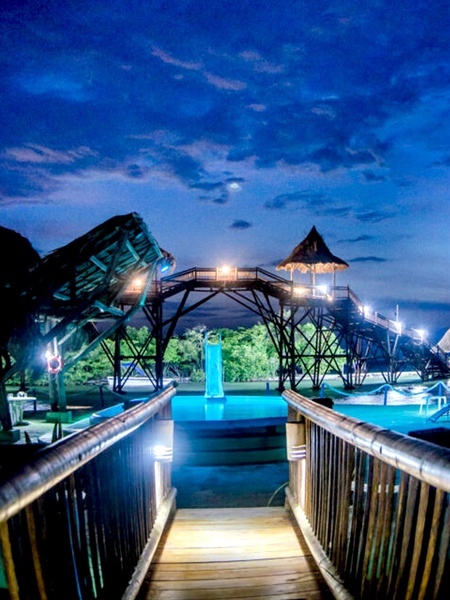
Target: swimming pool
[
  {"x": 401, "y": 418},
  {"x": 229, "y": 408},
  {"x": 229, "y": 431}
]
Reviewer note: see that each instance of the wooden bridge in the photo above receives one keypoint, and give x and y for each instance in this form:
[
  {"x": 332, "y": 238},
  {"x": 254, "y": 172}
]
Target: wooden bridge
[
  {"x": 233, "y": 553},
  {"x": 347, "y": 337},
  {"x": 94, "y": 515}
]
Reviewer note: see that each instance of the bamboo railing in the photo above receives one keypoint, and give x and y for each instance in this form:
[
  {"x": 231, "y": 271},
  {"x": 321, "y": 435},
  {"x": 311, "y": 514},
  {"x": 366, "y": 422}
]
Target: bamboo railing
[
  {"x": 374, "y": 505},
  {"x": 82, "y": 519}
]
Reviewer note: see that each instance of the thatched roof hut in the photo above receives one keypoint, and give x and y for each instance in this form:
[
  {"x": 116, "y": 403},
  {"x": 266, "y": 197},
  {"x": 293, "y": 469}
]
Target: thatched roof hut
[{"x": 312, "y": 255}]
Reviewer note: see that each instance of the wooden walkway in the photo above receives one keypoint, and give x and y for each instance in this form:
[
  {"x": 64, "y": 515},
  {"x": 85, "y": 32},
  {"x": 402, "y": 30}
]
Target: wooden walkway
[{"x": 228, "y": 553}]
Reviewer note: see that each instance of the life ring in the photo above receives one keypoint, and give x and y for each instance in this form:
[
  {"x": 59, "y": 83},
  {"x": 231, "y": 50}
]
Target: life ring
[{"x": 54, "y": 364}]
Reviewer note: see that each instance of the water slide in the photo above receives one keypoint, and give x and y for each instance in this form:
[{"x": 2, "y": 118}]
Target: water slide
[
  {"x": 440, "y": 413},
  {"x": 213, "y": 370}
]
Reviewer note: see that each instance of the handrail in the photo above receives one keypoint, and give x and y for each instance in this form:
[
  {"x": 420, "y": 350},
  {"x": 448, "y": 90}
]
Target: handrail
[
  {"x": 221, "y": 274},
  {"x": 427, "y": 462},
  {"x": 365, "y": 498},
  {"x": 83, "y": 517},
  {"x": 343, "y": 310},
  {"x": 61, "y": 459}
]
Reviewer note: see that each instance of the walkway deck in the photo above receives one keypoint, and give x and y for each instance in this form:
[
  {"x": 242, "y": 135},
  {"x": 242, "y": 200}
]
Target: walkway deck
[{"x": 223, "y": 553}]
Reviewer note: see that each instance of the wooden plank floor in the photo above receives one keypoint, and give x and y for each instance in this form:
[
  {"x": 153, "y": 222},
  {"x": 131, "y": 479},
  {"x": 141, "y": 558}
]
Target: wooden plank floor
[{"x": 228, "y": 553}]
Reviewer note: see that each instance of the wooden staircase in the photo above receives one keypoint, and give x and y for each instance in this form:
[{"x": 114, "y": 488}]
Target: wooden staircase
[{"x": 228, "y": 553}]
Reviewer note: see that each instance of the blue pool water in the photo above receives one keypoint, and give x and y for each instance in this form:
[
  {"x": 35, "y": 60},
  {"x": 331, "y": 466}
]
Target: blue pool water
[
  {"x": 199, "y": 408},
  {"x": 401, "y": 418}
]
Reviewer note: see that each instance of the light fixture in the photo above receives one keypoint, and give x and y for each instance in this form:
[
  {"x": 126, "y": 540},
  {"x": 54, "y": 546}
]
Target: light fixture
[
  {"x": 422, "y": 334},
  {"x": 299, "y": 291},
  {"x": 163, "y": 453},
  {"x": 136, "y": 285},
  {"x": 162, "y": 442}
]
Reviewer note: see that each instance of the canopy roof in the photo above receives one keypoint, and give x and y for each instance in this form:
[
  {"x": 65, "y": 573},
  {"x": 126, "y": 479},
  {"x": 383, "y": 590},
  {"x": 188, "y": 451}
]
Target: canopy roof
[
  {"x": 91, "y": 271},
  {"x": 312, "y": 254}
]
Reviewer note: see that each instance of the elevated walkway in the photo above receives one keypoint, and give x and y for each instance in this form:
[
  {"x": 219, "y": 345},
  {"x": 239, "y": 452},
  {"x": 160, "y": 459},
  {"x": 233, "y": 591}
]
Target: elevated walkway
[
  {"x": 344, "y": 329},
  {"x": 225, "y": 553}
]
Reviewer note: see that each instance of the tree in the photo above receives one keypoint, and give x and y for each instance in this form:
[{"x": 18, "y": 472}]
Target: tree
[
  {"x": 191, "y": 352},
  {"x": 248, "y": 354}
]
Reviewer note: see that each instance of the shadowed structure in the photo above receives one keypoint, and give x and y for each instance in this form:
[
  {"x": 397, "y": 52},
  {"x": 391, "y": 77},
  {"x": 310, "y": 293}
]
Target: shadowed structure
[
  {"x": 312, "y": 255},
  {"x": 72, "y": 288}
]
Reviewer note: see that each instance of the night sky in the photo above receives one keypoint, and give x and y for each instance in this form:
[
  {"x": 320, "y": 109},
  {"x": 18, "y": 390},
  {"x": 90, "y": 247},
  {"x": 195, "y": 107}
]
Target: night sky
[{"x": 233, "y": 127}]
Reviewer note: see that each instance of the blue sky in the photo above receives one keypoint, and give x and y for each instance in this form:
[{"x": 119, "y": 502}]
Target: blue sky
[{"x": 233, "y": 128}]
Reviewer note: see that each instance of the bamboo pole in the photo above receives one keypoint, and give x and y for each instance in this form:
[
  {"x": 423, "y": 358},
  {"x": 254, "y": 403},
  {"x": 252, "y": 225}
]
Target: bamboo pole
[
  {"x": 426, "y": 462},
  {"x": 58, "y": 461},
  {"x": 8, "y": 562}
]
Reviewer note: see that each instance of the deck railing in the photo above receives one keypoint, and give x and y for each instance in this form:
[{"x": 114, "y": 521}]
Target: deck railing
[
  {"x": 81, "y": 520},
  {"x": 374, "y": 505}
]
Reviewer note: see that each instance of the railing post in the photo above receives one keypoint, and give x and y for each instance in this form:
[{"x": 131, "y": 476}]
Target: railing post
[
  {"x": 296, "y": 454},
  {"x": 108, "y": 487},
  {"x": 368, "y": 497},
  {"x": 162, "y": 453},
  {"x": 8, "y": 561}
]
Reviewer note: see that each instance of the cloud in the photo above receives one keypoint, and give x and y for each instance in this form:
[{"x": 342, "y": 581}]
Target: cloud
[
  {"x": 136, "y": 171},
  {"x": 374, "y": 216},
  {"x": 59, "y": 85},
  {"x": 372, "y": 177},
  {"x": 240, "y": 224},
  {"x": 171, "y": 60},
  {"x": 37, "y": 154},
  {"x": 277, "y": 87},
  {"x": 260, "y": 64},
  {"x": 365, "y": 259},
  {"x": 19, "y": 183},
  {"x": 360, "y": 238},
  {"x": 257, "y": 107},
  {"x": 218, "y": 192},
  {"x": 301, "y": 199},
  {"x": 223, "y": 83},
  {"x": 207, "y": 186}
]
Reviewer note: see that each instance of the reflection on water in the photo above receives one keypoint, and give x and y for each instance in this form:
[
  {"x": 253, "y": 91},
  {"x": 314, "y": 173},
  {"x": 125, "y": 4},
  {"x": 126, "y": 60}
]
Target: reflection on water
[{"x": 199, "y": 408}]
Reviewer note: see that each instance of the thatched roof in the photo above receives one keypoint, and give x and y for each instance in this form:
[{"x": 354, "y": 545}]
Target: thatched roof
[
  {"x": 96, "y": 267},
  {"x": 444, "y": 342},
  {"x": 312, "y": 254}
]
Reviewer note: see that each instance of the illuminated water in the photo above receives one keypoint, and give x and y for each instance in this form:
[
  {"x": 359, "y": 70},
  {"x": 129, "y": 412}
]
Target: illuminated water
[
  {"x": 401, "y": 418},
  {"x": 199, "y": 408},
  {"x": 398, "y": 417}
]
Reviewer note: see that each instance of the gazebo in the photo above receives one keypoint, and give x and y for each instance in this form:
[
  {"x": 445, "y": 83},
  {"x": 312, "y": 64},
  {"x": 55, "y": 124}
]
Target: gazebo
[{"x": 313, "y": 255}]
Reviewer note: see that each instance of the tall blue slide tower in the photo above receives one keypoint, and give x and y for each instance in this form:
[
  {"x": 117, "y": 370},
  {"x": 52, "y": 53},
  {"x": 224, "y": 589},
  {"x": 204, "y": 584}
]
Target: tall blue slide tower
[{"x": 213, "y": 369}]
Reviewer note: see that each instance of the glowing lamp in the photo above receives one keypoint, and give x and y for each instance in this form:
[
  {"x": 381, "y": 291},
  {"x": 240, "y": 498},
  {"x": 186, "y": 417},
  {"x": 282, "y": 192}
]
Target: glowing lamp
[
  {"x": 163, "y": 453},
  {"x": 226, "y": 272},
  {"x": 162, "y": 446},
  {"x": 299, "y": 291},
  {"x": 137, "y": 285},
  {"x": 422, "y": 334}
]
